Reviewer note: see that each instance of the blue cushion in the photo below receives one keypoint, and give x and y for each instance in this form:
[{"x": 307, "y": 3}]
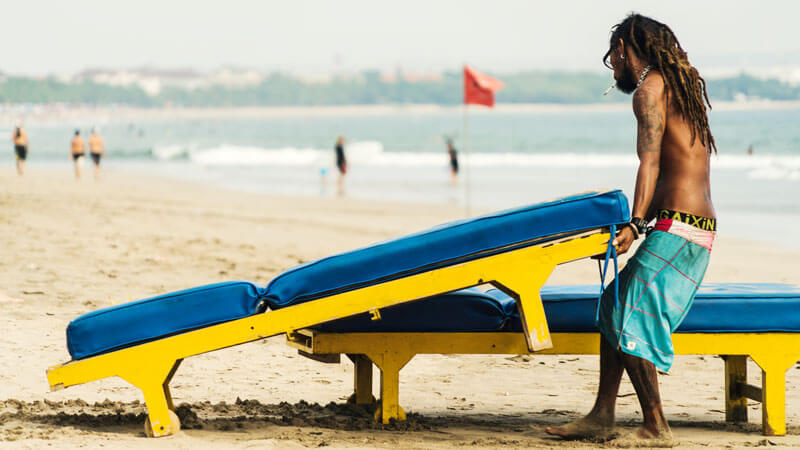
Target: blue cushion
[
  {"x": 466, "y": 310},
  {"x": 145, "y": 320},
  {"x": 447, "y": 244},
  {"x": 717, "y": 308}
]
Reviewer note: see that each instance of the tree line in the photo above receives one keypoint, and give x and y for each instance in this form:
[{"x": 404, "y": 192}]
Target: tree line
[{"x": 369, "y": 87}]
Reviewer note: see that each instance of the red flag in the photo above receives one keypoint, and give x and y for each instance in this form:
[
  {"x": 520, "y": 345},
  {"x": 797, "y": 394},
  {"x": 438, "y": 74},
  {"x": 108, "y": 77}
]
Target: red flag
[{"x": 479, "y": 88}]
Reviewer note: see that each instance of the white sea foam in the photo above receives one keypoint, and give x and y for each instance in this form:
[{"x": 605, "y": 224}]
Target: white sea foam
[
  {"x": 229, "y": 155},
  {"x": 372, "y": 153},
  {"x": 169, "y": 151}
]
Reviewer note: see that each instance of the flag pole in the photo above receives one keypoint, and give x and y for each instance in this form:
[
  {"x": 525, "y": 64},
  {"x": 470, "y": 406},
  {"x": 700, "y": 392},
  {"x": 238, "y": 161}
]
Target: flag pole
[{"x": 467, "y": 163}]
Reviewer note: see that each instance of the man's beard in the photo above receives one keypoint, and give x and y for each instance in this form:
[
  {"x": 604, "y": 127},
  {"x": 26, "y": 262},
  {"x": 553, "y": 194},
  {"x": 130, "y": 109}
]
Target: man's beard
[{"x": 627, "y": 81}]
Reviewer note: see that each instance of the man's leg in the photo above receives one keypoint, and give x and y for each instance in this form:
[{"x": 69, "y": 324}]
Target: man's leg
[
  {"x": 599, "y": 423},
  {"x": 644, "y": 378}
]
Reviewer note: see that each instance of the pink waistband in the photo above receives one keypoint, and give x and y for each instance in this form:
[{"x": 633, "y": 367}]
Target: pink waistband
[{"x": 700, "y": 237}]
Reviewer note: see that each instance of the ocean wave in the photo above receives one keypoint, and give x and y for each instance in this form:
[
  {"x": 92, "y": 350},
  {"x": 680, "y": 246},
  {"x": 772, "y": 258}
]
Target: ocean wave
[{"x": 372, "y": 153}]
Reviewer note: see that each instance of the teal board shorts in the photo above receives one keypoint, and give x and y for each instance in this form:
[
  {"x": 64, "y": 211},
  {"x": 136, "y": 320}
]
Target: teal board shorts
[{"x": 656, "y": 290}]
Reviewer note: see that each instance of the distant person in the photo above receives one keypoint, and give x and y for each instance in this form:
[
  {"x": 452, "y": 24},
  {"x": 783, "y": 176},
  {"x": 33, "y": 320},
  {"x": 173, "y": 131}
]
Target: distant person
[
  {"x": 453, "y": 154},
  {"x": 750, "y": 150},
  {"x": 341, "y": 162},
  {"x": 97, "y": 149},
  {"x": 77, "y": 151},
  {"x": 20, "y": 139}
]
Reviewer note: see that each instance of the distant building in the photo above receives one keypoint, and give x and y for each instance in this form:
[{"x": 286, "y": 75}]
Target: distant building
[{"x": 153, "y": 80}]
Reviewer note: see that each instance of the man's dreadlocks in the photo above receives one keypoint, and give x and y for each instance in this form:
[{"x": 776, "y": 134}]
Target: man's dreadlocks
[{"x": 655, "y": 43}]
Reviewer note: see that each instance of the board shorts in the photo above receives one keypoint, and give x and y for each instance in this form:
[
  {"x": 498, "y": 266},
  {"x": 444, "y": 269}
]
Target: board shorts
[
  {"x": 96, "y": 157},
  {"x": 656, "y": 289},
  {"x": 21, "y": 152},
  {"x": 342, "y": 168},
  {"x": 75, "y": 156}
]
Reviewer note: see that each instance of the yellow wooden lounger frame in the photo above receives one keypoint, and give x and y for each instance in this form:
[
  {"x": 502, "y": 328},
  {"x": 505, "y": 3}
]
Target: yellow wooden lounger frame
[
  {"x": 773, "y": 352},
  {"x": 519, "y": 272}
]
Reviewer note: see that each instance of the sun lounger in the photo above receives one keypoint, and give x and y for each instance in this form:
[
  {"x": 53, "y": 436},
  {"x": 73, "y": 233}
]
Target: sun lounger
[
  {"x": 516, "y": 250},
  {"x": 735, "y": 321}
]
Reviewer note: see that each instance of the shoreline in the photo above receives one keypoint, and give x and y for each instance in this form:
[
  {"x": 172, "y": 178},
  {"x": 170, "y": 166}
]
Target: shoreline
[
  {"x": 737, "y": 225},
  {"x": 9, "y": 114}
]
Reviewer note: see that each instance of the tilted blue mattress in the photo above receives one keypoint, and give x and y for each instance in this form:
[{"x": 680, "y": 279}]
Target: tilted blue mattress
[
  {"x": 717, "y": 308},
  {"x": 447, "y": 244},
  {"x": 132, "y": 323}
]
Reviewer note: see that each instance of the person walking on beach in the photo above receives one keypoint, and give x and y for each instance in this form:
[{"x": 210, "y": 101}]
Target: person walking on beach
[
  {"x": 659, "y": 282},
  {"x": 97, "y": 149},
  {"x": 341, "y": 163},
  {"x": 453, "y": 154},
  {"x": 20, "y": 139},
  {"x": 77, "y": 151}
]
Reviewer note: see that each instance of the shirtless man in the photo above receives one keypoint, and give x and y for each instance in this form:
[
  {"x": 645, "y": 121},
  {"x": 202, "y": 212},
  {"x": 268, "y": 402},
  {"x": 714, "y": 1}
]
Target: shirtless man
[
  {"x": 660, "y": 280},
  {"x": 97, "y": 149},
  {"x": 77, "y": 151},
  {"x": 20, "y": 139}
]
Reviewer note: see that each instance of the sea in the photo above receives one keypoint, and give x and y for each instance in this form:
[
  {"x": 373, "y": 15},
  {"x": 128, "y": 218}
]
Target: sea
[{"x": 508, "y": 156}]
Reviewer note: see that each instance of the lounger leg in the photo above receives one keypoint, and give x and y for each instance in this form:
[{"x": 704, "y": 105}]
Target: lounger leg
[
  {"x": 153, "y": 380},
  {"x": 525, "y": 287},
  {"x": 735, "y": 376},
  {"x": 390, "y": 364},
  {"x": 362, "y": 380},
  {"x": 167, "y": 393},
  {"x": 773, "y": 386}
]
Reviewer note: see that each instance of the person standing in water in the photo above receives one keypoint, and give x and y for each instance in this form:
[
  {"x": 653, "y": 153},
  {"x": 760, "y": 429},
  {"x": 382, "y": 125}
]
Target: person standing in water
[
  {"x": 20, "y": 139},
  {"x": 341, "y": 163},
  {"x": 97, "y": 149},
  {"x": 77, "y": 151},
  {"x": 453, "y": 154}
]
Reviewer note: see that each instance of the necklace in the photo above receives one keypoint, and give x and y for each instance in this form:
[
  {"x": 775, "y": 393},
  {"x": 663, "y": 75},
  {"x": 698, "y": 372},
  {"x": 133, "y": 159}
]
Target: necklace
[{"x": 644, "y": 74}]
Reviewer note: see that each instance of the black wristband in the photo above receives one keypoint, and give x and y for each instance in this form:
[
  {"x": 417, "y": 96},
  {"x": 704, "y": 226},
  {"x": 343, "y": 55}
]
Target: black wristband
[{"x": 640, "y": 224}]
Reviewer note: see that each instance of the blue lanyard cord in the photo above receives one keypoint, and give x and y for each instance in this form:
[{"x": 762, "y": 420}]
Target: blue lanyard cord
[{"x": 611, "y": 252}]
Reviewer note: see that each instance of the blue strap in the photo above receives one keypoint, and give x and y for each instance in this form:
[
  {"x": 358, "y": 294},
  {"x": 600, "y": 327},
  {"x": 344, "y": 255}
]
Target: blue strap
[{"x": 611, "y": 252}]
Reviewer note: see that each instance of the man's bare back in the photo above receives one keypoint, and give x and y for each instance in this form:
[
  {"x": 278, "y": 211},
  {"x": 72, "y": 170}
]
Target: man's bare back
[
  {"x": 77, "y": 145},
  {"x": 20, "y": 138},
  {"x": 96, "y": 145},
  {"x": 684, "y": 182}
]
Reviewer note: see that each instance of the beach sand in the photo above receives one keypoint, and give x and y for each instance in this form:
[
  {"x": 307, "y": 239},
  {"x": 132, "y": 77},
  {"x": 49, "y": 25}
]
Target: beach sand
[{"x": 71, "y": 247}]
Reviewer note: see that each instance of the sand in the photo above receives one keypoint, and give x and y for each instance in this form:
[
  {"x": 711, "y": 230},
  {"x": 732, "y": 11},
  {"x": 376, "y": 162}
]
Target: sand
[{"x": 71, "y": 247}]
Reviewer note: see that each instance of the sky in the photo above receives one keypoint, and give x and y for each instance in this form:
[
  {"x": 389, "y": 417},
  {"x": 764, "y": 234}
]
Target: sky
[{"x": 337, "y": 36}]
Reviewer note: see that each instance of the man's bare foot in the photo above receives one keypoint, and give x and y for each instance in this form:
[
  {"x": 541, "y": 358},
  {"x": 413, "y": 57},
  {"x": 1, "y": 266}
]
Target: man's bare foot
[
  {"x": 643, "y": 437},
  {"x": 586, "y": 428}
]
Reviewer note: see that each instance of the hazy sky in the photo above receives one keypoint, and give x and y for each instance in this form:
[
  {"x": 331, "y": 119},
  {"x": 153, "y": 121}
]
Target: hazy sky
[{"x": 38, "y": 37}]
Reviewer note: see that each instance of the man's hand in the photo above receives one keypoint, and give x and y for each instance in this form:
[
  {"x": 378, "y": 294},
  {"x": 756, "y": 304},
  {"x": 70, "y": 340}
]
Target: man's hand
[{"x": 624, "y": 239}]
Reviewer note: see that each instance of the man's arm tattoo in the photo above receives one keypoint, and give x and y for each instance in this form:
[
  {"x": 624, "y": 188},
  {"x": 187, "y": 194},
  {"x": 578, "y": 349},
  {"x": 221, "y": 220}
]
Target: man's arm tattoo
[{"x": 650, "y": 117}]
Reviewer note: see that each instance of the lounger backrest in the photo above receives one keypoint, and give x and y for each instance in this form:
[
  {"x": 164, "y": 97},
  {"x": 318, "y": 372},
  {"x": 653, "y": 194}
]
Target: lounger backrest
[{"x": 448, "y": 244}]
